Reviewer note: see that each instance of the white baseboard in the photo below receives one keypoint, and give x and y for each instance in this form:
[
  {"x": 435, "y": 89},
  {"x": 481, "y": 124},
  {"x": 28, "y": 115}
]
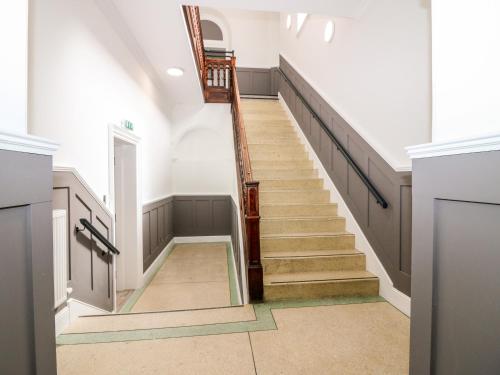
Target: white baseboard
[
  {"x": 158, "y": 262},
  {"x": 62, "y": 320},
  {"x": 72, "y": 311},
  {"x": 401, "y": 301},
  {"x": 235, "y": 273},
  {"x": 197, "y": 239}
]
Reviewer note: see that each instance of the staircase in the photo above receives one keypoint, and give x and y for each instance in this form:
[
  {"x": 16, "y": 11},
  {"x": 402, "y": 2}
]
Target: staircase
[{"x": 305, "y": 249}]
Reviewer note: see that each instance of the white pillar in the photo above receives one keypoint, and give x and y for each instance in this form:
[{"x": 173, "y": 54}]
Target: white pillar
[{"x": 13, "y": 66}]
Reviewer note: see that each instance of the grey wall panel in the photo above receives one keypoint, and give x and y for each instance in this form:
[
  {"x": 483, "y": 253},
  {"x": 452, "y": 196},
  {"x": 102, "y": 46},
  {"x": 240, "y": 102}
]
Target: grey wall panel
[
  {"x": 189, "y": 216},
  {"x": 27, "y": 340},
  {"x": 257, "y": 81},
  {"x": 275, "y": 77},
  {"x": 202, "y": 215},
  {"x": 387, "y": 230},
  {"x": 15, "y": 270},
  {"x": 157, "y": 229},
  {"x": 455, "y": 322},
  {"x": 14, "y": 168},
  {"x": 90, "y": 272}
]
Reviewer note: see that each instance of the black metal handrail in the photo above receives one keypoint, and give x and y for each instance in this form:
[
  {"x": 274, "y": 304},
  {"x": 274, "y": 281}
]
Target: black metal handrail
[
  {"x": 95, "y": 232},
  {"x": 343, "y": 151}
]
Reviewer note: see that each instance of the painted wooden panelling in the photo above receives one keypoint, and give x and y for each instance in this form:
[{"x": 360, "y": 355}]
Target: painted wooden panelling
[
  {"x": 258, "y": 81},
  {"x": 388, "y": 230},
  {"x": 189, "y": 216},
  {"x": 456, "y": 283},
  {"x": 90, "y": 270},
  {"x": 202, "y": 215},
  {"x": 27, "y": 341},
  {"x": 157, "y": 229}
]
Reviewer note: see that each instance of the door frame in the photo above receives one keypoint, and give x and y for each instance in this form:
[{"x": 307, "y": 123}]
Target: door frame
[{"x": 135, "y": 262}]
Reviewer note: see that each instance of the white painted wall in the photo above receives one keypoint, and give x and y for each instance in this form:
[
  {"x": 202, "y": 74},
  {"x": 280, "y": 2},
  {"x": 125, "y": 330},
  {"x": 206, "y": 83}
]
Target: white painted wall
[
  {"x": 14, "y": 65},
  {"x": 466, "y": 69},
  {"x": 376, "y": 72},
  {"x": 253, "y": 35},
  {"x": 82, "y": 77},
  {"x": 203, "y": 152}
]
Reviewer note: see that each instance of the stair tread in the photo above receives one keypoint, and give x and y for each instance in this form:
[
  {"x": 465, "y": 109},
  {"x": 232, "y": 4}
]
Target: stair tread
[
  {"x": 316, "y": 276},
  {"x": 308, "y": 254},
  {"x": 304, "y": 218},
  {"x": 291, "y": 179},
  {"x": 297, "y": 204},
  {"x": 293, "y": 190},
  {"x": 305, "y": 235},
  {"x": 284, "y": 169}
]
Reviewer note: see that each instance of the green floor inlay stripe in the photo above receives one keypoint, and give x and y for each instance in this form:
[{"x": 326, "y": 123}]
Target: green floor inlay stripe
[{"x": 264, "y": 322}]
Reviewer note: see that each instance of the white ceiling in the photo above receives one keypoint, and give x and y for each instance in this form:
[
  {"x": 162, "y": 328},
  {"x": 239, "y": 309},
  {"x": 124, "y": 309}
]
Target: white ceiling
[
  {"x": 155, "y": 32},
  {"x": 336, "y": 8}
]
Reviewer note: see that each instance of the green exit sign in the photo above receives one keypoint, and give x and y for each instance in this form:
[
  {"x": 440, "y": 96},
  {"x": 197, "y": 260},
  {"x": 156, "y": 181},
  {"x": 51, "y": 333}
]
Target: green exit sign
[{"x": 128, "y": 125}]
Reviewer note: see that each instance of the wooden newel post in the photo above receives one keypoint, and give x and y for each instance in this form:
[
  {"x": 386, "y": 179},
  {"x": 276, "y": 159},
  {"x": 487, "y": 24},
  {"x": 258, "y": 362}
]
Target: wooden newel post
[{"x": 252, "y": 219}]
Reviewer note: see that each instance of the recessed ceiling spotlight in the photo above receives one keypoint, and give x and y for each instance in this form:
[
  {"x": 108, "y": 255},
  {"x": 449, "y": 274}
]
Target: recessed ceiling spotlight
[
  {"x": 289, "y": 21},
  {"x": 329, "y": 31},
  {"x": 175, "y": 72}
]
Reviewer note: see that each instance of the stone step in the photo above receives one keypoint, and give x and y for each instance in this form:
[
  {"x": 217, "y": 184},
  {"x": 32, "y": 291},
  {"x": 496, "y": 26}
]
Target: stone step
[
  {"x": 348, "y": 261},
  {"x": 256, "y": 105},
  {"x": 320, "y": 285},
  {"x": 269, "y": 116},
  {"x": 266, "y": 174},
  {"x": 308, "y": 253},
  {"x": 282, "y": 164},
  {"x": 263, "y": 127},
  {"x": 155, "y": 320},
  {"x": 294, "y": 196},
  {"x": 290, "y": 141},
  {"x": 281, "y": 210},
  {"x": 301, "y": 241},
  {"x": 303, "y": 225},
  {"x": 279, "y": 155},
  {"x": 291, "y": 184},
  {"x": 253, "y": 123},
  {"x": 283, "y": 148},
  {"x": 271, "y": 132}
]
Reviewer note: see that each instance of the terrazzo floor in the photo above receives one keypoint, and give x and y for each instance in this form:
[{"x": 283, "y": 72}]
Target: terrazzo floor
[{"x": 359, "y": 335}]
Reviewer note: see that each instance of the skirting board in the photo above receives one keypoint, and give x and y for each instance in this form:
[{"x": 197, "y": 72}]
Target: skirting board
[
  {"x": 401, "y": 301},
  {"x": 73, "y": 310},
  {"x": 200, "y": 239},
  {"x": 158, "y": 262}
]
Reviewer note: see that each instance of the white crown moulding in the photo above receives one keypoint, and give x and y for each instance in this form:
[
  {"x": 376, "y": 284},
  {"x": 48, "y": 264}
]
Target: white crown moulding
[
  {"x": 455, "y": 147},
  {"x": 27, "y": 143}
]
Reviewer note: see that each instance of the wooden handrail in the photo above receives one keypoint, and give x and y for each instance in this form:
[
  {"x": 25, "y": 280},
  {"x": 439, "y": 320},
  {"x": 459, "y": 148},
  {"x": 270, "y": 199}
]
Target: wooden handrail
[
  {"x": 193, "y": 21},
  {"x": 249, "y": 195},
  {"x": 220, "y": 85}
]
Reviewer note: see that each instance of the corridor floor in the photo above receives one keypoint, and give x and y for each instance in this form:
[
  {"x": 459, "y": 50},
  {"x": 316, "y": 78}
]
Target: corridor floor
[
  {"x": 193, "y": 276},
  {"x": 359, "y": 338},
  {"x": 356, "y": 335}
]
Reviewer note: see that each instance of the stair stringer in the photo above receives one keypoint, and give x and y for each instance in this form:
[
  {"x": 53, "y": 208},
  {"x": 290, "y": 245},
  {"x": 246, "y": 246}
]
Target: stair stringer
[{"x": 387, "y": 290}]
